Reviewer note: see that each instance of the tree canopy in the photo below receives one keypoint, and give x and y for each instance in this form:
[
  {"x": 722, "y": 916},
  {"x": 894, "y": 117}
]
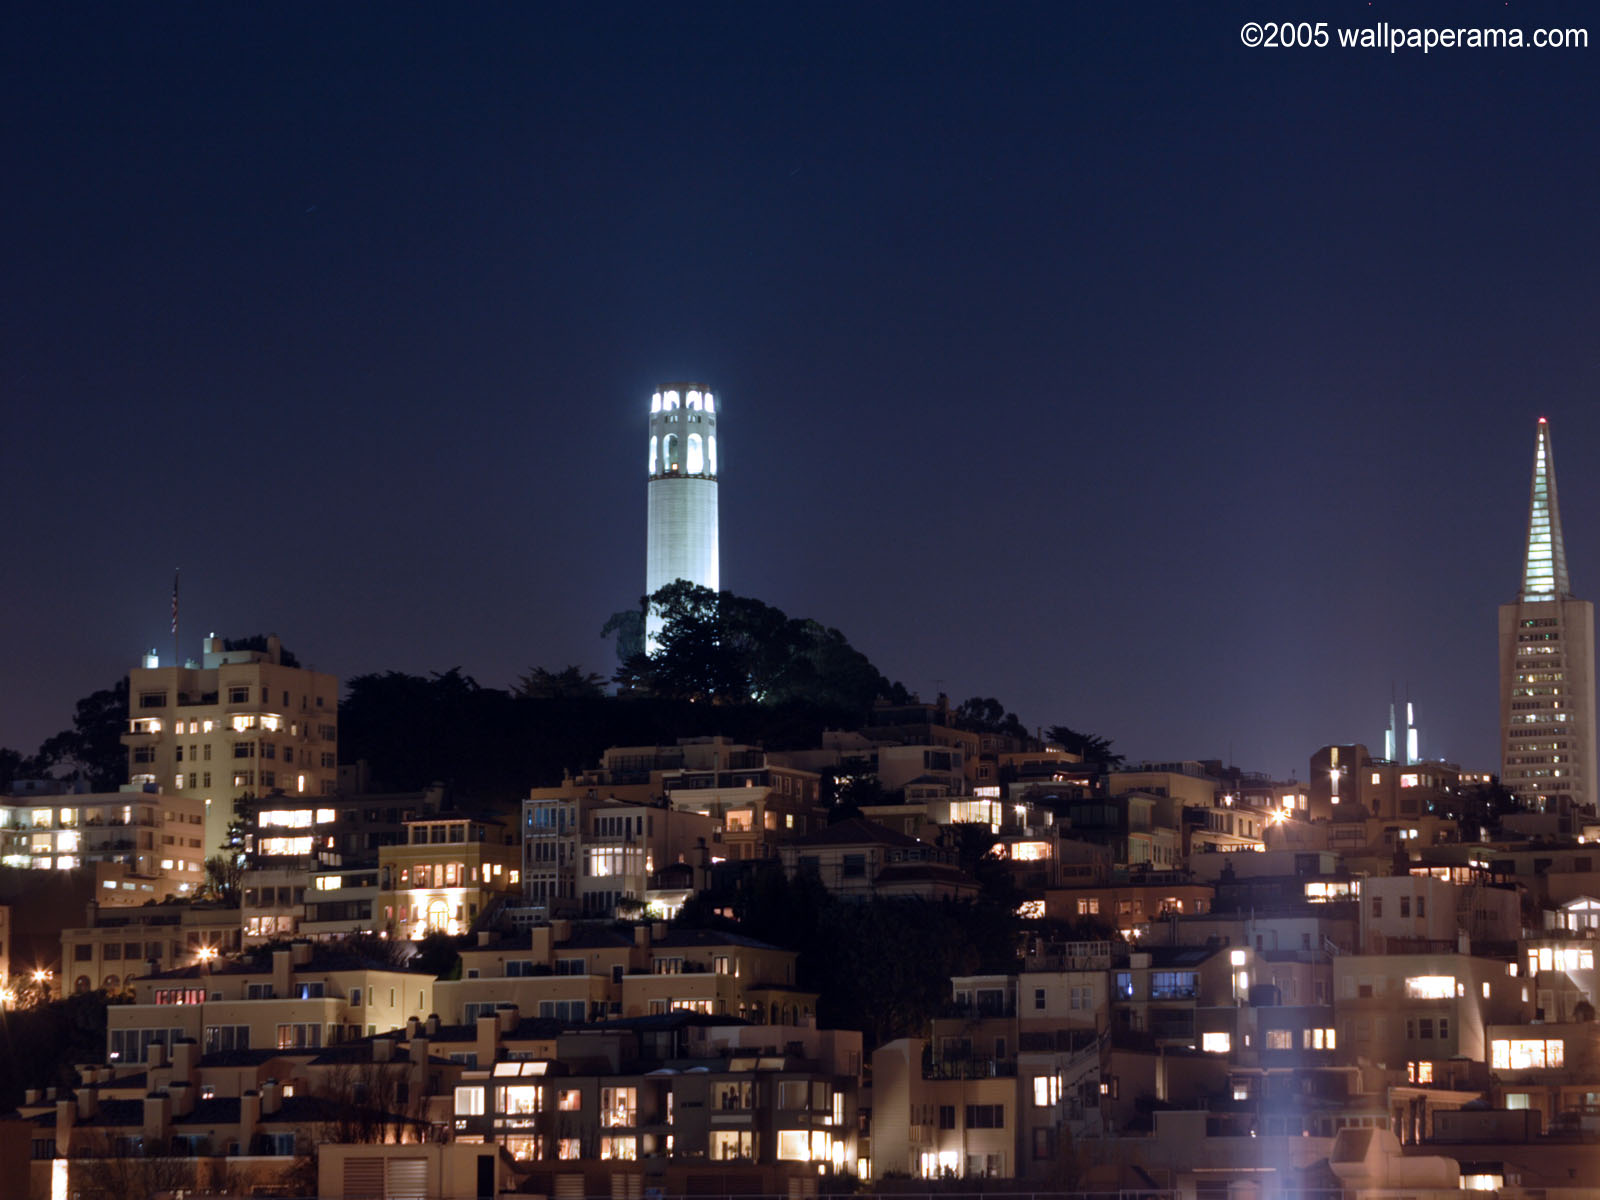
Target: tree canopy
[
  {"x": 90, "y": 750},
  {"x": 721, "y": 648},
  {"x": 1094, "y": 749}
]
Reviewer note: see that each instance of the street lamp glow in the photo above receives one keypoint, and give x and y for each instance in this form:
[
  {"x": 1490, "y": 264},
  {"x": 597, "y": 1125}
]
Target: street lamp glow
[
  {"x": 206, "y": 953},
  {"x": 40, "y": 975}
]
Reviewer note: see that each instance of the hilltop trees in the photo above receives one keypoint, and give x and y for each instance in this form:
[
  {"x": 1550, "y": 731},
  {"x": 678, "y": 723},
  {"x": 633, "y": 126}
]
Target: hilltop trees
[{"x": 728, "y": 649}]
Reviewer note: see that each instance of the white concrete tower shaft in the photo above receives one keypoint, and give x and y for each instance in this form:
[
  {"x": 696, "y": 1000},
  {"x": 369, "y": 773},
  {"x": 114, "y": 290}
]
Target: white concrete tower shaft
[{"x": 684, "y": 465}]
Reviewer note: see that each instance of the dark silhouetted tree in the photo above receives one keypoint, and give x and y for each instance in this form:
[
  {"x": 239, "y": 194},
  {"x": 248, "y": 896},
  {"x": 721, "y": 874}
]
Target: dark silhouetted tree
[
  {"x": 569, "y": 683},
  {"x": 1094, "y": 749}
]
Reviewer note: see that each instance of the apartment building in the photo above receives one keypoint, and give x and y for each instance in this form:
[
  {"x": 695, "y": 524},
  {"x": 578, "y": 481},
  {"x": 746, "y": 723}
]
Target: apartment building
[
  {"x": 446, "y": 874},
  {"x": 115, "y": 944},
  {"x": 142, "y": 844},
  {"x": 303, "y": 997},
  {"x": 590, "y": 971},
  {"x": 237, "y": 722}
]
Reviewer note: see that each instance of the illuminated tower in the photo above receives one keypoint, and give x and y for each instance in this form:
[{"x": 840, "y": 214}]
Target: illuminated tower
[
  {"x": 1547, "y": 731},
  {"x": 682, "y": 540},
  {"x": 1391, "y": 738}
]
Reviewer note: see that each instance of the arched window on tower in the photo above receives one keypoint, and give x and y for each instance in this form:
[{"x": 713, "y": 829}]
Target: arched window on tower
[
  {"x": 669, "y": 401},
  {"x": 655, "y": 403},
  {"x": 669, "y": 454},
  {"x": 652, "y": 454},
  {"x": 711, "y": 452},
  {"x": 697, "y": 462},
  {"x": 694, "y": 400},
  {"x": 710, "y": 408}
]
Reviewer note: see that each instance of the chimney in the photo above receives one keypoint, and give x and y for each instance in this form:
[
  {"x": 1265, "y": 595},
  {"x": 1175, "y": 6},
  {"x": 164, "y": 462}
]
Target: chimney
[
  {"x": 88, "y": 1104},
  {"x": 509, "y": 1016},
  {"x": 658, "y": 931},
  {"x": 432, "y": 1027},
  {"x": 382, "y": 1050},
  {"x": 419, "y": 1050},
  {"x": 281, "y": 972},
  {"x": 31, "y": 1096},
  {"x": 641, "y": 937},
  {"x": 185, "y": 1058},
  {"x": 271, "y": 1097},
  {"x": 66, "y": 1114},
  {"x": 488, "y": 1038},
  {"x": 249, "y": 1117},
  {"x": 300, "y": 953},
  {"x": 485, "y": 937},
  {"x": 157, "y": 1116},
  {"x": 155, "y": 1056},
  {"x": 560, "y": 931},
  {"x": 182, "y": 1093},
  {"x": 413, "y": 1028}
]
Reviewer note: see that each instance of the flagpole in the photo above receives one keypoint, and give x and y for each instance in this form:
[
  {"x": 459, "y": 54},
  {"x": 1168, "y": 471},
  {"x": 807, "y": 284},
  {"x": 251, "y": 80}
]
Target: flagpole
[{"x": 177, "y": 659}]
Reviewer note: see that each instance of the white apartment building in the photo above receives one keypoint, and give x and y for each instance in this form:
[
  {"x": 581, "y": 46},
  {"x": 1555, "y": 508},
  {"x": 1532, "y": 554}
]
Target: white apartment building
[{"x": 238, "y": 722}]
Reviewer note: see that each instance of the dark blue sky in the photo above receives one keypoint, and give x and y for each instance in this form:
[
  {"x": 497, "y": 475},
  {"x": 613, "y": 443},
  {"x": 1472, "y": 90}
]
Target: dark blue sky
[{"x": 1073, "y": 354}]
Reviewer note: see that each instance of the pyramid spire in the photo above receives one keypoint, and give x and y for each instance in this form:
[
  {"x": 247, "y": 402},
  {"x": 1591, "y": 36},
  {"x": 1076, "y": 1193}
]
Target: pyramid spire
[{"x": 1544, "y": 573}]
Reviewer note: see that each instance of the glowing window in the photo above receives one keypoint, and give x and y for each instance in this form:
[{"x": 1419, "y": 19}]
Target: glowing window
[
  {"x": 697, "y": 461},
  {"x": 669, "y": 453},
  {"x": 669, "y": 401},
  {"x": 709, "y": 405},
  {"x": 653, "y": 440},
  {"x": 711, "y": 452},
  {"x": 693, "y": 400},
  {"x": 1431, "y": 987},
  {"x": 1216, "y": 1043},
  {"x": 655, "y": 403}
]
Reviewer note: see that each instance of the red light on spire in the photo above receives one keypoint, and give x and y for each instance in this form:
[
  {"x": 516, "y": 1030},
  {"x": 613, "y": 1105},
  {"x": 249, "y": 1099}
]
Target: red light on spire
[{"x": 1543, "y": 421}]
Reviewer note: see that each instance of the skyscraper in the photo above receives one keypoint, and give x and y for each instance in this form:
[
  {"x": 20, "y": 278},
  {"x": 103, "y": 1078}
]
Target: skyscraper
[
  {"x": 682, "y": 538},
  {"x": 1547, "y": 716}
]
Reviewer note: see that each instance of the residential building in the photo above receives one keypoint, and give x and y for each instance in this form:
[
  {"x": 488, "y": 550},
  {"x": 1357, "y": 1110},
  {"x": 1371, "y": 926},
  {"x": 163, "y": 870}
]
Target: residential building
[
  {"x": 446, "y": 874},
  {"x": 857, "y": 861},
  {"x": 141, "y": 843},
  {"x": 117, "y": 943},
  {"x": 236, "y": 723}
]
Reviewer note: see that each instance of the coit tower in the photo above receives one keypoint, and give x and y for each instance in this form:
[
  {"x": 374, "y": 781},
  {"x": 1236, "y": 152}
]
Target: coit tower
[{"x": 682, "y": 539}]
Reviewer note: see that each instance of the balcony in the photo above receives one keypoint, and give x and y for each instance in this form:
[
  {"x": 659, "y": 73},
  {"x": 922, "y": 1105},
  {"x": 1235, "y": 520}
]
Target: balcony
[
  {"x": 987, "y": 1010},
  {"x": 967, "y": 1068}
]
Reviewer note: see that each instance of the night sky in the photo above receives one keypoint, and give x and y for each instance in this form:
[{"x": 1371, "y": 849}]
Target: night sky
[{"x": 1072, "y": 354}]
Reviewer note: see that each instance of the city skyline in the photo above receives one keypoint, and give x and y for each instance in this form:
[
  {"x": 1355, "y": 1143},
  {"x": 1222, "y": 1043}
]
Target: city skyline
[{"x": 1065, "y": 370}]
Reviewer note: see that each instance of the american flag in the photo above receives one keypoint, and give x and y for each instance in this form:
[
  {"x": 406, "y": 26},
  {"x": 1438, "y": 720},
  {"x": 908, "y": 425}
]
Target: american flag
[{"x": 175, "y": 603}]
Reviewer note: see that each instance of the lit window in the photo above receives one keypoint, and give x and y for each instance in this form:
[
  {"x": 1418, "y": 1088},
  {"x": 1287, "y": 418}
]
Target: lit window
[
  {"x": 653, "y": 441},
  {"x": 1216, "y": 1043},
  {"x": 711, "y": 448},
  {"x": 710, "y": 407},
  {"x": 1431, "y": 987},
  {"x": 696, "y": 464},
  {"x": 655, "y": 403}
]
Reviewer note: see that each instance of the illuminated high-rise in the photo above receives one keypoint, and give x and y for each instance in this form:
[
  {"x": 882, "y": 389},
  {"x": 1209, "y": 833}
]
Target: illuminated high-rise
[
  {"x": 682, "y": 539},
  {"x": 1547, "y": 715}
]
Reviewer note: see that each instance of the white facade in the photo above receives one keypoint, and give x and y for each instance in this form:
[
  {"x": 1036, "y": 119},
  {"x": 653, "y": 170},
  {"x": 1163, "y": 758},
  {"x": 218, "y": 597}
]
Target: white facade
[
  {"x": 237, "y": 723},
  {"x": 1547, "y": 695},
  {"x": 684, "y": 465}
]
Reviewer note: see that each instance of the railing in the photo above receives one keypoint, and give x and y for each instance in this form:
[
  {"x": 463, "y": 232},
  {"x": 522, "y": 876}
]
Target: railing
[{"x": 968, "y": 1068}]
